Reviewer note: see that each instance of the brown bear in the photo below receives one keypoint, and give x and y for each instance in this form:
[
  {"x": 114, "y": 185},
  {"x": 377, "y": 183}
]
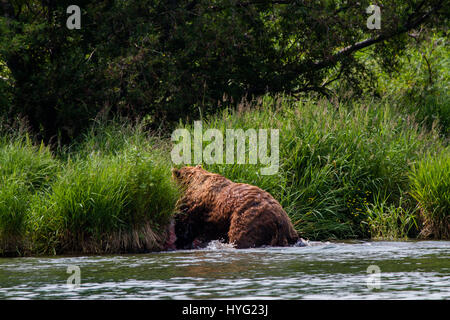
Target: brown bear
[{"x": 213, "y": 207}]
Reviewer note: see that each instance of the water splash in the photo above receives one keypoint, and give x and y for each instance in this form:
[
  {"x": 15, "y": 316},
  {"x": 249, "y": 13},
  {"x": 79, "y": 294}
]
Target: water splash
[{"x": 219, "y": 245}]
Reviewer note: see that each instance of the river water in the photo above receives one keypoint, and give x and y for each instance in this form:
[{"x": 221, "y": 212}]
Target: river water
[{"x": 322, "y": 270}]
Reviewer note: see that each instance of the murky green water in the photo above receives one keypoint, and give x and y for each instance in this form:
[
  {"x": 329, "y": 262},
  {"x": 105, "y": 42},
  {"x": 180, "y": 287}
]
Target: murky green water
[{"x": 408, "y": 270}]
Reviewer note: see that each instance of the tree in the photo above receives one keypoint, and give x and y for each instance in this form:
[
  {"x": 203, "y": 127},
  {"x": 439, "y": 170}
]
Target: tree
[{"x": 170, "y": 59}]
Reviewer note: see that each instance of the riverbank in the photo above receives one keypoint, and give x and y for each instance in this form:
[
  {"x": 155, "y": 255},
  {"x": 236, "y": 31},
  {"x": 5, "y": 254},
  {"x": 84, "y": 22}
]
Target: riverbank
[
  {"x": 347, "y": 171},
  {"x": 109, "y": 192}
]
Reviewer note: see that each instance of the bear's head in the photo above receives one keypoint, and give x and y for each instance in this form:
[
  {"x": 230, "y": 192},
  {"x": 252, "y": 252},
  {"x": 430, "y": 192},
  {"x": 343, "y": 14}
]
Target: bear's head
[{"x": 184, "y": 176}]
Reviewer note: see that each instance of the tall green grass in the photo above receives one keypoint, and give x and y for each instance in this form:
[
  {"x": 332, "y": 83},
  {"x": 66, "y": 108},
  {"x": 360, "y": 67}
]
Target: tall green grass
[
  {"x": 14, "y": 197},
  {"x": 115, "y": 195},
  {"x": 430, "y": 186},
  {"x": 106, "y": 204},
  {"x": 391, "y": 221},
  {"x": 109, "y": 192},
  {"x": 346, "y": 171},
  {"x": 335, "y": 160},
  {"x": 25, "y": 170}
]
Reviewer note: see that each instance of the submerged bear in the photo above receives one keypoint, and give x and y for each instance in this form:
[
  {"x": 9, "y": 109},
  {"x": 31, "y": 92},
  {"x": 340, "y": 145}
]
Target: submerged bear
[{"x": 213, "y": 207}]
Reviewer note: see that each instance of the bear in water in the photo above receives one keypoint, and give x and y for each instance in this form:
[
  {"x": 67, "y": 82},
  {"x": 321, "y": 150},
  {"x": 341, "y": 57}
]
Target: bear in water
[{"x": 213, "y": 207}]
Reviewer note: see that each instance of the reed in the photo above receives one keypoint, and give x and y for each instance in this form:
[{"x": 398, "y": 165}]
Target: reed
[
  {"x": 347, "y": 170},
  {"x": 25, "y": 170},
  {"x": 335, "y": 159},
  {"x": 430, "y": 186}
]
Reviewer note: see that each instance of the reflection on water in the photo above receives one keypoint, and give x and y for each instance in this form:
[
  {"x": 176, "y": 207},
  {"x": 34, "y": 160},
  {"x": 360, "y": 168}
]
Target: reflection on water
[{"x": 409, "y": 270}]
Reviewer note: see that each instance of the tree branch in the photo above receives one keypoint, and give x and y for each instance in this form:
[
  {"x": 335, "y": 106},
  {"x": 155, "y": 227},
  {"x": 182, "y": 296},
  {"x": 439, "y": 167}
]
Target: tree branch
[{"x": 368, "y": 42}]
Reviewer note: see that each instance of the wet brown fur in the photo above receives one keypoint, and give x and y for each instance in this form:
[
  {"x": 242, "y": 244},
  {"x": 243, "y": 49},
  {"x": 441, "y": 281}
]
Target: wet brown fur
[{"x": 213, "y": 207}]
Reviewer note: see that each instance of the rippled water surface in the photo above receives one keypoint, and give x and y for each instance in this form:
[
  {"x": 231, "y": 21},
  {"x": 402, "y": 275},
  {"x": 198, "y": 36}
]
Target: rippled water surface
[{"x": 408, "y": 270}]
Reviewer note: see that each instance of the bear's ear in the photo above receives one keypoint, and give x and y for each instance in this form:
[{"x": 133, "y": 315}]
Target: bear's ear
[
  {"x": 199, "y": 166},
  {"x": 175, "y": 172}
]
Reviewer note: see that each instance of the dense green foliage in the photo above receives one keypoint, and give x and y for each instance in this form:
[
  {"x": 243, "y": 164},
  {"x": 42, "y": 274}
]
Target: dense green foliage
[
  {"x": 363, "y": 115},
  {"x": 117, "y": 198},
  {"x": 170, "y": 59},
  {"x": 430, "y": 180},
  {"x": 346, "y": 171},
  {"x": 391, "y": 221},
  {"x": 25, "y": 170},
  {"x": 335, "y": 160},
  {"x": 421, "y": 84}
]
